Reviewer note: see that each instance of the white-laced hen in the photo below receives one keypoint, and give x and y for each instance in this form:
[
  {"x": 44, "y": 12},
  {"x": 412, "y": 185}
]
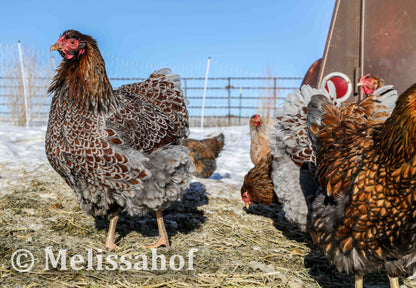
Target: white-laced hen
[{"x": 118, "y": 150}]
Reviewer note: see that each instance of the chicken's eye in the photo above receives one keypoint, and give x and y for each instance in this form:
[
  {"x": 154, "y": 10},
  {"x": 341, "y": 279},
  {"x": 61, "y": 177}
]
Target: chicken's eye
[{"x": 72, "y": 42}]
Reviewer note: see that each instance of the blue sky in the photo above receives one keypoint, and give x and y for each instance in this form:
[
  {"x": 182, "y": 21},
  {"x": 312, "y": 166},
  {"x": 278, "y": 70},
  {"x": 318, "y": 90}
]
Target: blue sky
[{"x": 286, "y": 36}]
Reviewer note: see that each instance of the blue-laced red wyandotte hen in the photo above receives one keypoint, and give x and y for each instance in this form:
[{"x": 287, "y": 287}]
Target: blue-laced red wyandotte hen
[
  {"x": 364, "y": 218},
  {"x": 119, "y": 150}
]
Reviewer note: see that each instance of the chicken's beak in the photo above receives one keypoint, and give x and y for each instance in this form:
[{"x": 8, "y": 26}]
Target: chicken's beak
[
  {"x": 56, "y": 47},
  {"x": 247, "y": 205},
  {"x": 360, "y": 84}
]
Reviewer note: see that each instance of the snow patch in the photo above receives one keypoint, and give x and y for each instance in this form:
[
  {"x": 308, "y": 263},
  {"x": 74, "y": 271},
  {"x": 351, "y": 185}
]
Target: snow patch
[{"x": 26, "y": 147}]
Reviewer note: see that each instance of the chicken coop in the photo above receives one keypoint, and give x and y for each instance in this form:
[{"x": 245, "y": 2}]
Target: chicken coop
[{"x": 367, "y": 36}]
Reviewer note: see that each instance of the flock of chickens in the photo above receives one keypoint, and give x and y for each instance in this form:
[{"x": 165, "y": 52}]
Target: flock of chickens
[{"x": 344, "y": 173}]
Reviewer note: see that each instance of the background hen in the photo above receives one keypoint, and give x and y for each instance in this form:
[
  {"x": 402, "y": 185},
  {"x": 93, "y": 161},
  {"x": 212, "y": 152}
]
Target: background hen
[
  {"x": 259, "y": 135},
  {"x": 365, "y": 218},
  {"x": 258, "y": 184},
  {"x": 369, "y": 83},
  {"x": 119, "y": 150},
  {"x": 204, "y": 154}
]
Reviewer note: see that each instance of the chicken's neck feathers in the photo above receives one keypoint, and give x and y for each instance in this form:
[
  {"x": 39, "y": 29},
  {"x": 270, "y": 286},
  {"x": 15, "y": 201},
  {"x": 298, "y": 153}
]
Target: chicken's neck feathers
[
  {"x": 259, "y": 131},
  {"x": 86, "y": 82}
]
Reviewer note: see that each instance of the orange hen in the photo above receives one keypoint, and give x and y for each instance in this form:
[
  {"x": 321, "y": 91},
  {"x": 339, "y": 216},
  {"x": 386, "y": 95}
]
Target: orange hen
[{"x": 259, "y": 146}]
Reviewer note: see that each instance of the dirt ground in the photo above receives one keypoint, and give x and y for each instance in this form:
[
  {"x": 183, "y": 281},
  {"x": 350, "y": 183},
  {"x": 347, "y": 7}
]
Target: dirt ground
[{"x": 232, "y": 247}]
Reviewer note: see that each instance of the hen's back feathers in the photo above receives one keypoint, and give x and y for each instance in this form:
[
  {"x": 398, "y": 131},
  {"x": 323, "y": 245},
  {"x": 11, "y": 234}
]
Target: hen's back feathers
[
  {"x": 154, "y": 112},
  {"x": 258, "y": 182},
  {"x": 290, "y": 135},
  {"x": 216, "y": 144}
]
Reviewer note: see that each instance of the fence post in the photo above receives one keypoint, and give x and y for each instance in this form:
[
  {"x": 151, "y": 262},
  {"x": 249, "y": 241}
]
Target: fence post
[
  {"x": 239, "y": 106},
  {"x": 229, "y": 101},
  {"x": 203, "y": 96},
  {"x": 185, "y": 89},
  {"x": 24, "y": 83}
]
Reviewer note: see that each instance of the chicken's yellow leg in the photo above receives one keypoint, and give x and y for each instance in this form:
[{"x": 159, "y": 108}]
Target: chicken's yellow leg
[
  {"x": 109, "y": 241},
  {"x": 394, "y": 282},
  {"x": 163, "y": 239},
  {"x": 358, "y": 281}
]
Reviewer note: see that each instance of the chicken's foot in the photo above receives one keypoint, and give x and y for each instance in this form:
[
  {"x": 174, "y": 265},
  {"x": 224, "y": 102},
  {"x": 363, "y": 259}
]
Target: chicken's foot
[
  {"x": 163, "y": 239},
  {"x": 109, "y": 241},
  {"x": 394, "y": 282}
]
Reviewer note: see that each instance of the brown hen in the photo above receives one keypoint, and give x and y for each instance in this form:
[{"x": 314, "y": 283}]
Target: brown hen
[
  {"x": 365, "y": 218},
  {"x": 118, "y": 150},
  {"x": 258, "y": 184},
  {"x": 204, "y": 154}
]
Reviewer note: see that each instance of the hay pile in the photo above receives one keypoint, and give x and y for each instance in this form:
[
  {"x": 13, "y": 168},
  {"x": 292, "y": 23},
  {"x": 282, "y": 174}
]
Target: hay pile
[{"x": 235, "y": 248}]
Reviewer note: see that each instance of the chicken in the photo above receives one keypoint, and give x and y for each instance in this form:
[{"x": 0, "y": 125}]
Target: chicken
[
  {"x": 204, "y": 153},
  {"x": 259, "y": 146},
  {"x": 365, "y": 217},
  {"x": 292, "y": 152},
  {"x": 369, "y": 83},
  {"x": 258, "y": 184},
  {"x": 119, "y": 150}
]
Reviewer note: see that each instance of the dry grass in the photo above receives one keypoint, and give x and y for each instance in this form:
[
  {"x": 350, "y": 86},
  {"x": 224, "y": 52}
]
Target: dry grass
[{"x": 235, "y": 248}]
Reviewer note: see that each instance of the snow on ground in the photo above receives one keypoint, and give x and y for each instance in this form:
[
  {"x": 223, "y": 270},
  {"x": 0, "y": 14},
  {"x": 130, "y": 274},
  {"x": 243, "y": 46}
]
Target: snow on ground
[{"x": 25, "y": 147}]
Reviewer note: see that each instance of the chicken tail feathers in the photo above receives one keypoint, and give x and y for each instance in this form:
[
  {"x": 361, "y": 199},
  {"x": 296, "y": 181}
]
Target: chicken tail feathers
[
  {"x": 314, "y": 116},
  {"x": 215, "y": 143},
  {"x": 174, "y": 78},
  {"x": 219, "y": 144},
  {"x": 290, "y": 133},
  {"x": 387, "y": 96}
]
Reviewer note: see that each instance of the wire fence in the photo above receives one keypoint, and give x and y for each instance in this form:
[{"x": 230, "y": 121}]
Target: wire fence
[{"x": 229, "y": 100}]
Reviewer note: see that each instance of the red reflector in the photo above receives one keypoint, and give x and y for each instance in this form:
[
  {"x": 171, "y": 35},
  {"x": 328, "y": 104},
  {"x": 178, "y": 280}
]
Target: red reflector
[
  {"x": 341, "y": 86},
  {"x": 337, "y": 83}
]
